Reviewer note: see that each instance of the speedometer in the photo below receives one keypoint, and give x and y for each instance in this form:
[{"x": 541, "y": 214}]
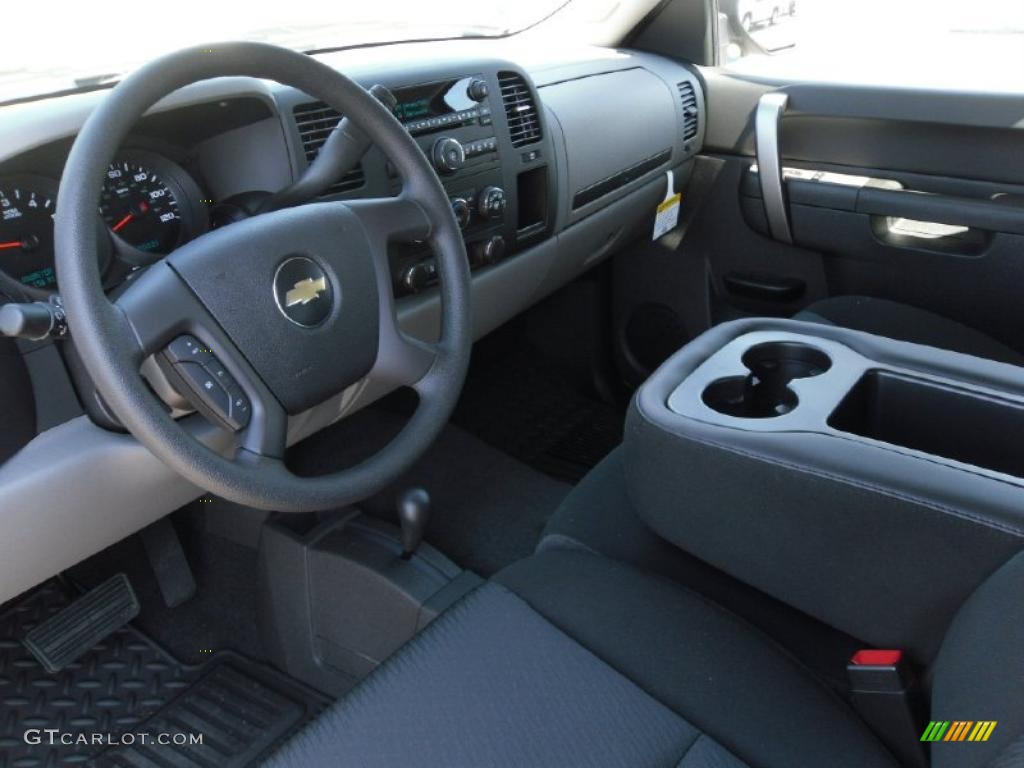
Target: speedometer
[
  {"x": 141, "y": 208},
  {"x": 151, "y": 206}
]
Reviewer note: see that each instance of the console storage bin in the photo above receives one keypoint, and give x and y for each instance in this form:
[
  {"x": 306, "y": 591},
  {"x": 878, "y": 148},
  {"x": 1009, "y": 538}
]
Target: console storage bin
[
  {"x": 936, "y": 419},
  {"x": 869, "y": 482}
]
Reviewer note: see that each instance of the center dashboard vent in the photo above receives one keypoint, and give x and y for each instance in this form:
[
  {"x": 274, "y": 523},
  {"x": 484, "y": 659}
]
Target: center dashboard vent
[
  {"x": 691, "y": 113},
  {"x": 520, "y": 109},
  {"x": 315, "y": 121}
]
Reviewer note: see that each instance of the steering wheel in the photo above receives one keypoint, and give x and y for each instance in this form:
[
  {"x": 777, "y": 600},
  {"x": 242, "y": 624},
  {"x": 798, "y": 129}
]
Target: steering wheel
[{"x": 296, "y": 305}]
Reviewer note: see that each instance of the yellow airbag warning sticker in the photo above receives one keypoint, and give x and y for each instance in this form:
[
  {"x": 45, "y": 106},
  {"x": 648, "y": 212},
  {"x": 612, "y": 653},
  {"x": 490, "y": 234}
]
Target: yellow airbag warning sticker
[{"x": 667, "y": 215}]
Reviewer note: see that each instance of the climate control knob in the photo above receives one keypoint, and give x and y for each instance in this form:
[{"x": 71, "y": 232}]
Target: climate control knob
[
  {"x": 417, "y": 277},
  {"x": 448, "y": 155},
  {"x": 462, "y": 211},
  {"x": 490, "y": 251},
  {"x": 491, "y": 203}
]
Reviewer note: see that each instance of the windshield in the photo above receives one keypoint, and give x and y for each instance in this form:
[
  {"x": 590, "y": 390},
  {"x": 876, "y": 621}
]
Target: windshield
[{"x": 50, "y": 48}]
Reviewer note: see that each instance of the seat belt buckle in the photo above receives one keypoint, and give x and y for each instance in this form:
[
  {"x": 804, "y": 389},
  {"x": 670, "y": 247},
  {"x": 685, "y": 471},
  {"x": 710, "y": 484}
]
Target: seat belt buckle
[{"x": 885, "y": 693}]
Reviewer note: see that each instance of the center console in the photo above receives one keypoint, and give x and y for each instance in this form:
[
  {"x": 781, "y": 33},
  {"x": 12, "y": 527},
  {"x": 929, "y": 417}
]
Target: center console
[{"x": 872, "y": 483}]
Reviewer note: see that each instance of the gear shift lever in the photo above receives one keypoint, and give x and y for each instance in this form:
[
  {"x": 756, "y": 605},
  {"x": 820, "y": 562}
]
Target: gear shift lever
[{"x": 413, "y": 515}]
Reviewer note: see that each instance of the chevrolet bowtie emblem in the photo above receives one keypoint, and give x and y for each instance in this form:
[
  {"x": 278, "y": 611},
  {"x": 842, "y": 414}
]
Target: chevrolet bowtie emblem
[{"x": 305, "y": 291}]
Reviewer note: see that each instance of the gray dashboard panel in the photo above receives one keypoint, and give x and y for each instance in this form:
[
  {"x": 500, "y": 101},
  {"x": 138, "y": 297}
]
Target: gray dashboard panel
[
  {"x": 567, "y": 94},
  {"x": 73, "y": 491},
  {"x": 33, "y": 124},
  {"x": 227, "y": 164},
  {"x": 604, "y": 135}
]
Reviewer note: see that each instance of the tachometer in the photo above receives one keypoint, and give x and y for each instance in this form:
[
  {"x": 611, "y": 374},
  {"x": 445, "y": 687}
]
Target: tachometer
[
  {"x": 27, "y": 205},
  {"x": 141, "y": 208}
]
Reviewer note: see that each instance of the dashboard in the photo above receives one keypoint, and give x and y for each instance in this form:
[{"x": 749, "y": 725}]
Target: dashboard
[{"x": 552, "y": 160}]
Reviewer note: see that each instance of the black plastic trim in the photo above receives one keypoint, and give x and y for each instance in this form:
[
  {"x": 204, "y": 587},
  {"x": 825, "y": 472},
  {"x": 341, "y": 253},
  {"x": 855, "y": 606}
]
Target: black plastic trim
[{"x": 620, "y": 179}]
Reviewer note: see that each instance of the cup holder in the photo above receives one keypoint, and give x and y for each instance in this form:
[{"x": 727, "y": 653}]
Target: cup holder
[
  {"x": 765, "y": 392},
  {"x": 786, "y": 360}
]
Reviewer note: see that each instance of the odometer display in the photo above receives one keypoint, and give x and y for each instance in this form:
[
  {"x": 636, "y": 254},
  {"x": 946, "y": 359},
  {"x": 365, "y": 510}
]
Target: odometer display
[
  {"x": 140, "y": 208},
  {"x": 26, "y": 231}
]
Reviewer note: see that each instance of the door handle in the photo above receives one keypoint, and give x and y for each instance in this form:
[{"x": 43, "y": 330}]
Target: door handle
[{"x": 767, "y": 125}]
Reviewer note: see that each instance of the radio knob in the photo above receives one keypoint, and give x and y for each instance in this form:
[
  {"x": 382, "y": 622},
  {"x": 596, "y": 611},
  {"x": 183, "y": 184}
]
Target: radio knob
[
  {"x": 491, "y": 250},
  {"x": 448, "y": 155},
  {"x": 477, "y": 89},
  {"x": 462, "y": 211},
  {"x": 491, "y": 203}
]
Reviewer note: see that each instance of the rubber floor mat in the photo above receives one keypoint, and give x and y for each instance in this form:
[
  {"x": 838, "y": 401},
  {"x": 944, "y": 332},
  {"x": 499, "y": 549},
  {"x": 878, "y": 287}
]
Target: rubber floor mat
[
  {"x": 115, "y": 704},
  {"x": 532, "y": 414}
]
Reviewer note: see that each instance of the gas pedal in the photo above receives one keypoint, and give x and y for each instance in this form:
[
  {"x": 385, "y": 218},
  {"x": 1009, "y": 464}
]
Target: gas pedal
[{"x": 97, "y": 614}]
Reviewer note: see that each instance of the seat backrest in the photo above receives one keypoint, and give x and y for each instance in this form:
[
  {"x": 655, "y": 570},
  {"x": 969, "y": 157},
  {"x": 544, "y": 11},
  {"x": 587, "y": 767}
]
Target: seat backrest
[{"x": 979, "y": 673}]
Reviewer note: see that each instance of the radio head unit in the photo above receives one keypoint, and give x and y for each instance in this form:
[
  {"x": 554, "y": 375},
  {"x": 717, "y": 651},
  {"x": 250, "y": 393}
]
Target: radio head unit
[{"x": 446, "y": 104}]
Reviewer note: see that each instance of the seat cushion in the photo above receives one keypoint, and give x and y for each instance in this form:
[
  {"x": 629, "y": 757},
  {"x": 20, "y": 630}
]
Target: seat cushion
[
  {"x": 713, "y": 669},
  {"x": 599, "y": 516},
  {"x": 979, "y": 673},
  {"x": 491, "y": 683},
  {"x": 568, "y": 658},
  {"x": 906, "y": 323}
]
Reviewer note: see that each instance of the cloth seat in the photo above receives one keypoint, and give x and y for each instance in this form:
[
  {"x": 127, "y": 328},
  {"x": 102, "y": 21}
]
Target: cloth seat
[
  {"x": 569, "y": 658},
  {"x": 598, "y": 516},
  {"x": 906, "y": 323}
]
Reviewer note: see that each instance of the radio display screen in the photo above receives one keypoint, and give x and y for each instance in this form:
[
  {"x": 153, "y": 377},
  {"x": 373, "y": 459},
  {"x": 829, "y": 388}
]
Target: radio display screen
[{"x": 433, "y": 99}]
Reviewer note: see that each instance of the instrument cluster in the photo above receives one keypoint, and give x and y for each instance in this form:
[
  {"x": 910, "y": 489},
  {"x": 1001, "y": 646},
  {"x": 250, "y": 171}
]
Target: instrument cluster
[{"x": 150, "y": 205}]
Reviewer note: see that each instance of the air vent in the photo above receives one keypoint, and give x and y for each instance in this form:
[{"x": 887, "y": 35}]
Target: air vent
[
  {"x": 315, "y": 122},
  {"x": 520, "y": 109},
  {"x": 690, "y": 111}
]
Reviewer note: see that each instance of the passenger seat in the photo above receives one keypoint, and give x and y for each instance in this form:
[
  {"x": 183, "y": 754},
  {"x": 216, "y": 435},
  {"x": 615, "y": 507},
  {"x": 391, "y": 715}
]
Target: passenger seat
[{"x": 907, "y": 323}]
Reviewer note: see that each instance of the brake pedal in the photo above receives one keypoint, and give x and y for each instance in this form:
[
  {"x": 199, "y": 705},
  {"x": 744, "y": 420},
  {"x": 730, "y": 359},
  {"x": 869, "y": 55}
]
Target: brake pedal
[{"x": 97, "y": 614}]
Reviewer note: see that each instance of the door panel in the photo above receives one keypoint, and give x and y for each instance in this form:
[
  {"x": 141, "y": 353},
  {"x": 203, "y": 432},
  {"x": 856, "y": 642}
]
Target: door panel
[{"x": 919, "y": 159}]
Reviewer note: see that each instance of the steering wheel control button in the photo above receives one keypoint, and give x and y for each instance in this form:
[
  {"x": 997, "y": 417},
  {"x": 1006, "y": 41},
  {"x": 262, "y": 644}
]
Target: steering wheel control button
[
  {"x": 202, "y": 379},
  {"x": 240, "y": 409},
  {"x": 186, "y": 348},
  {"x": 303, "y": 292},
  {"x": 204, "y": 388}
]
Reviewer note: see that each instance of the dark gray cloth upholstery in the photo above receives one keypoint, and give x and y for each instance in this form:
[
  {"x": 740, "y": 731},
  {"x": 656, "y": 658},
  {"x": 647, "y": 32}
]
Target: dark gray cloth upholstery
[
  {"x": 599, "y": 516},
  {"x": 492, "y": 683},
  {"x": 712, "y": 668},
  {"x": 571, "y": 659},
  {"x": 880, "y": 542},
  {"x": 979, "y": 673},
  {"x": 906, "y": 323}
]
